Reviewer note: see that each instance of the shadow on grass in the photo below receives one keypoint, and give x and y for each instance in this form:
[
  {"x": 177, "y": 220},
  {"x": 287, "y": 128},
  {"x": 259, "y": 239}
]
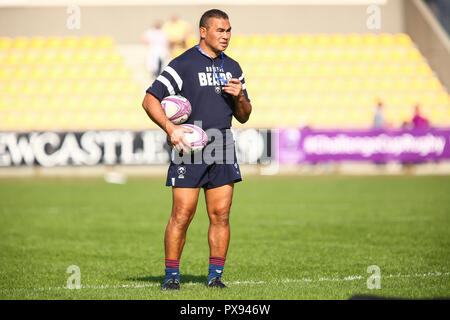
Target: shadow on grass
[{"x": 184, "y": 278}]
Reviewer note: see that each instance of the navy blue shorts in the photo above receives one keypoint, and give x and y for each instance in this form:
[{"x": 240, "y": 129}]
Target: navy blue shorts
[{"x": 203, "y": 175}]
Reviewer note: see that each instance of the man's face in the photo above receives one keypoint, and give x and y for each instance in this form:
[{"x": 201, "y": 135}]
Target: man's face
[{"x": 217, "y": 35}]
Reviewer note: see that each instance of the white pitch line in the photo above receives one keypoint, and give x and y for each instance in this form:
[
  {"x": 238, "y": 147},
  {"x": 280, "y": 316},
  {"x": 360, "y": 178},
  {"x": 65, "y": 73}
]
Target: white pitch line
[
  {"x": 247, "y": 282},
  {"x": 351, "y": 278}
]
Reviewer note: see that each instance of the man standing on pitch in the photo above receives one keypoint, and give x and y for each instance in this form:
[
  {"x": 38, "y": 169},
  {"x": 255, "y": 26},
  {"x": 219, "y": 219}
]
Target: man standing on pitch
[{"x": 215, "y": 86}]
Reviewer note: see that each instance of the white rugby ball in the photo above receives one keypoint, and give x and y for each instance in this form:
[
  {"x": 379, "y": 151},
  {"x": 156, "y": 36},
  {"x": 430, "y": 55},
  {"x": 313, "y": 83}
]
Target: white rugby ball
[
  {"x": 197, "y": 138},
  {"x": 177, "y": 108}
]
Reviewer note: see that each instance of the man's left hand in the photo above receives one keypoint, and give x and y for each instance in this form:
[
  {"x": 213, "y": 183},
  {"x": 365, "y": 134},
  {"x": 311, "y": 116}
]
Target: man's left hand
[{"x": 233, "y": 87}]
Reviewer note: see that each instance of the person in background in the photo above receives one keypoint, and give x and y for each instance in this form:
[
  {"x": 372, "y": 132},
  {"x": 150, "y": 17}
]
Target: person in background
[
  {"x": 418, "y": 120},
  {"x": 406, "y": 125},
  {"x": 177, "y": 31},
  {"x": 158, "y": 49},
  {"x": 379, "y": 121}
]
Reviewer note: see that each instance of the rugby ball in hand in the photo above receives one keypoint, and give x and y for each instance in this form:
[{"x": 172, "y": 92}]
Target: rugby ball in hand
[
  {"x": 197, "y": 138},
  {"x": 177, "y": 108}
]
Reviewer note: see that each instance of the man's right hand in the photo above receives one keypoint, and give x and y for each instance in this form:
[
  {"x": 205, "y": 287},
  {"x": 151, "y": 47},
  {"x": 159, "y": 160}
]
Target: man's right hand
[{"x": 177, "y": 138}]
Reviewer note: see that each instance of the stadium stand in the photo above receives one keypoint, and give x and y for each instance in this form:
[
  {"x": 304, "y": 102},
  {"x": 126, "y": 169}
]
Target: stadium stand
[
  {"x": 321, "y": 80},
  {"x": 327, "y": 81},
  {"x": 70, "y": 83}
]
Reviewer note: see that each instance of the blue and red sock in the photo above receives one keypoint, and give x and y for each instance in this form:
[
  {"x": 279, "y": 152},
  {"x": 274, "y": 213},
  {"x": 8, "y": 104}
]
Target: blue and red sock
[
  {"x": 172, "y": 269},
  {"x": 216, "y": 265}
]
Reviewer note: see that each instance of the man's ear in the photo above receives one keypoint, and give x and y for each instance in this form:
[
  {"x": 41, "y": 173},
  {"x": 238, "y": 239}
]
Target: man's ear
[{"x": 203, "y": 31}]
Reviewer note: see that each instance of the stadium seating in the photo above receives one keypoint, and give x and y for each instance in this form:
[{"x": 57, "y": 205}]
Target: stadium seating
[
  {"x": 71, "y": 83},
  {"x": 334, "y": 81},
  {"x": 323, "y": 81}
]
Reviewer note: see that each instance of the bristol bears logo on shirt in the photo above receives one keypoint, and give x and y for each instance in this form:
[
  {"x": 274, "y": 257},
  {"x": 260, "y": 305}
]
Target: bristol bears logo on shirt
[
  {"x": 181, "y": 171},
  {"x": 212, "y": 77}
]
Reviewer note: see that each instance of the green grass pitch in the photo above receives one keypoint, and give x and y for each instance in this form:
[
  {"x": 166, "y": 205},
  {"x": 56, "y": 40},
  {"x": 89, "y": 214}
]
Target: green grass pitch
[{"x": 291, "y": 238}]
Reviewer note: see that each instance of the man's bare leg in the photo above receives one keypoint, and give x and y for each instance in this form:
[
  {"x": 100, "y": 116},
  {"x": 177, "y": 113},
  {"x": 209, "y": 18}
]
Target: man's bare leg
[
  {"x": 184, "y": 204},
  {"x": 218, "y": 204}
]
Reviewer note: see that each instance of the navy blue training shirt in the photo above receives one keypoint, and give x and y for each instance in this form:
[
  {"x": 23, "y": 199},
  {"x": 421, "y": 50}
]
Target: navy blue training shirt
[{"x": 192, "y": 76}]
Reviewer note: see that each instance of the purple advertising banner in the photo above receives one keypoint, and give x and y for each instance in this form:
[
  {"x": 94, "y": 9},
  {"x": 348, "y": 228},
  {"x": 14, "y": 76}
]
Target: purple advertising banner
[{"x": 313, "y": 146}]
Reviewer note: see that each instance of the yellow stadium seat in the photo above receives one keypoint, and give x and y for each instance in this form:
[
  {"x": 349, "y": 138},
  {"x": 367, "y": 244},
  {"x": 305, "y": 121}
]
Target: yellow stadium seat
[
  {"x": 54, "y": 42},
  {"x": 30, "y": 87},
  {"x": 424, "y": 69},
  {"x": 354, "y": 40},
  {"x": 13, "y": 57},
  {"x": 273, "y": 40},
  {"x": 38, "y": 71},
  {"x": 46, "y": 87},
  {"x": 63, "y": 56},
  {"x": 70, "y": 42},
  {"x": 256, "y": 40},
  {"x": 444, "y": 99},
  {"x": 401, "y": 84},
  {"x": 370, "y": 39},
  {"x": 386, "y": 39},
  {"x": 318, "y": 54},
  {"x": 432, "y": 84},
  {"x": 334, "y": 53},
  {"x": 37, "y": 42},
  {"x": 56, "y": 72},
  {"x": 72, "y": 72},
  {"x": 407, "y": 69},
  {"x": 5, "y": 42},
  {"x": 38, "y": 102},
  {"x": 89, "y": 72},
  {"x": 57, "y": 102},
  {"x": 301, "y": 54},
  {"x": 91, "y": 101},
  {"x": 81, "y": 87},
  {"x": 414, "y": 54},
  {"x": 383, "y": 55},
  {"x": 6, "y": 101},
  {"x": 305, "y": 40},
  {"x": 122, "y": 72},
  {"x": 336, "y": 84},
  {"x": 239, "y": 40},
  {"x": 30, "y": 57},
  {"x": 21, "y": 72},
  {"x": 398, "y": 53},
  {"x": 403, "y": 39},
  {"x": 47, "y": 56},
  {"x": 19, "y": 42},
  {"x": 88, "y": 42},
  {"x": 322, "y": 40},
  {"x": 337, "y": 40},
  {"x": 105, "y": 42},
  {"x": 105, "y": 71},
  {"x": 21, "y": 102},
  {"x": 351, "y": 54},
  {"x": 391, "y": 69},
  {"x": 385, "y": 84},
  {"x": 327, "y": 69},
  {"x": 361, "y": 69},
  {"x": 77, "y": 103},
  {"x": 13, "y": 87},
  {"x": 428, "y": 98},
  {"x": 268, "y": 54}
]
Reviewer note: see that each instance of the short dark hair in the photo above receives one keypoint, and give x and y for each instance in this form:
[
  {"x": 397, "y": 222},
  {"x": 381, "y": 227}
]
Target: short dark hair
[{"x": 213, "y": 13}]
